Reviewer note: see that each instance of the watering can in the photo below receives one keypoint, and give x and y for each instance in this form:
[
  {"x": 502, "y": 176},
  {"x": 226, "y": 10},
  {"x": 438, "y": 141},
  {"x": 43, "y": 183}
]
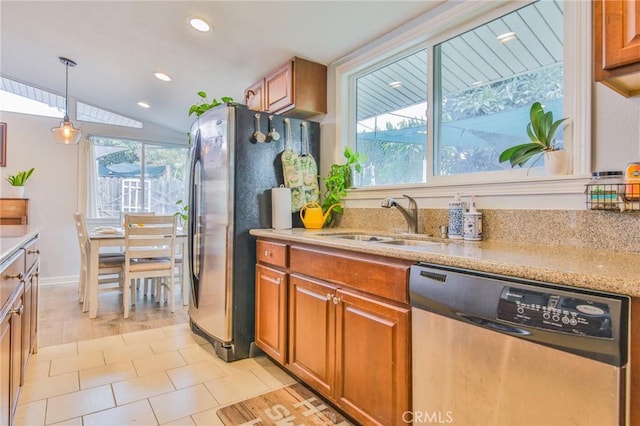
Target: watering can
[{"x": 312, "y": 216}]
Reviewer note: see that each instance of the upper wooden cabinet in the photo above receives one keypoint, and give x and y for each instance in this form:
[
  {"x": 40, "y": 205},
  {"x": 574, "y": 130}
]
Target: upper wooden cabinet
[
  {"x": 617, "y": 45},
  {"x": 297, "y": 89}
]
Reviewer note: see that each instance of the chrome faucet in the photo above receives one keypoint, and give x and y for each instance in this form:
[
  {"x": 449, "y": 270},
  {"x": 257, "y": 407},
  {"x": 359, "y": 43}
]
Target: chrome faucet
[{"x": 411, "y": 215}]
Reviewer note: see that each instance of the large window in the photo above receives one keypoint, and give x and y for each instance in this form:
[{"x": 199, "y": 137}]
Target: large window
[
  {"x": 483, "y": 82},
  {"x": 133, "y": 176}
]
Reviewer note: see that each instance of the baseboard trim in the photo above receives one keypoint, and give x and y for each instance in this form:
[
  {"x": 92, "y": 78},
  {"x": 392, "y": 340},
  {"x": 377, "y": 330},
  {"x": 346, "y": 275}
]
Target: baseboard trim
[{"x": 62, "y": 280}]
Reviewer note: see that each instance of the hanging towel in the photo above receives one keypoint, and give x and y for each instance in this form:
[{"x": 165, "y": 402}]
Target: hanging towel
[{"x": 292, "y": 170}]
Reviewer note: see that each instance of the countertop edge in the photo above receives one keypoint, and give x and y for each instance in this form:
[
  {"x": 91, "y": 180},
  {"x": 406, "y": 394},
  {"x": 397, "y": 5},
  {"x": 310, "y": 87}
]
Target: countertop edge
[
  {"x": 12, "y": 237},
  {"x": 619, "y": 283}
]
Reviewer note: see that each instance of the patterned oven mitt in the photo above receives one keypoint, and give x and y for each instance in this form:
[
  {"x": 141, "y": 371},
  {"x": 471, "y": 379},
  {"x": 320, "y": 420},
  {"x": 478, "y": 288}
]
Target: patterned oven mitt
[
  {"x": 309, "y": 168},
  {"x": 292, "y": 170}
]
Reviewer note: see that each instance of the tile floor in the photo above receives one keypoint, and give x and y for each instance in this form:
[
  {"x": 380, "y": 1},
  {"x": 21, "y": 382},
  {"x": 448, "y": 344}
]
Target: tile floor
[{"x": 160, "y": 376}]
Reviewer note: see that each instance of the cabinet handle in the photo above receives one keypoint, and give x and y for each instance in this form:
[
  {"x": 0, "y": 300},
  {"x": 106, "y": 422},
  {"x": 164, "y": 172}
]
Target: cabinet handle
[
  {"x": 18, "y": 310},
  {"x": 336, "y": 300},
  {"x": 19, "y": 276},
  {"x": 33, "y": 251}
]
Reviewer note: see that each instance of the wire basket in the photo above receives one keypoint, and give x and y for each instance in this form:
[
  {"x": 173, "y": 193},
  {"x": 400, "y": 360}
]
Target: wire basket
[{"x": 615, "y": 196}]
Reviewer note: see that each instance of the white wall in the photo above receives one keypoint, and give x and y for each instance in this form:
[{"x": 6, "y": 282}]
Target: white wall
[
  {"x": 54, "y": 187},
  {"x": 615, "y": 129}
]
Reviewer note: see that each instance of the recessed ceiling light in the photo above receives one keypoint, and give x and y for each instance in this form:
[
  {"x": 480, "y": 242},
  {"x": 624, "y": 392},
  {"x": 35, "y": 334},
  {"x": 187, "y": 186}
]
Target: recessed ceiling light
[
  {"x": 162, "y": 76},
  {"x": 143, "y": 104},
  {"x": 199, "y": 24},
  {"x": 395, "y": 84},
  {"x": 505, "y": 37}
]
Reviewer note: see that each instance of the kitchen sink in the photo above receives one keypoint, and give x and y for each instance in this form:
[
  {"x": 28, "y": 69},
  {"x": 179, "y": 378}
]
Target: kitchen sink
[
  {"x": 363, "y": 237},
  {"x": 410, "y": 243}
]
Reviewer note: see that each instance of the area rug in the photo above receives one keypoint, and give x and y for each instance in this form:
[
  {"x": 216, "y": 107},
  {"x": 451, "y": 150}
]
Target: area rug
[{"x": 291, "y": 405}]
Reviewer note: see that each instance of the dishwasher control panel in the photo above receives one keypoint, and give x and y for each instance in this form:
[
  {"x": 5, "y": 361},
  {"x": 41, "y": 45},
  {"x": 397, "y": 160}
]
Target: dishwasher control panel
[{"x": 554, "y": 312}]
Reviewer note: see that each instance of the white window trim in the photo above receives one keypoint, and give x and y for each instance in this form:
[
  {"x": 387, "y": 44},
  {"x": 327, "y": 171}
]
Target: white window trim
[{"x": 439, "y": 24}]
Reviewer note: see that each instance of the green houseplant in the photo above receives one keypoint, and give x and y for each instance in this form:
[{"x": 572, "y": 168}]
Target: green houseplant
[
  {"x": 204, "y": 106},
  {"x": 541, "y": 130},
  {"x": 20, "y": 178},
  {"x": 18, "y": 181},
  {"x": 182, "y": 213},
  {"x": 339, "y": 179}
]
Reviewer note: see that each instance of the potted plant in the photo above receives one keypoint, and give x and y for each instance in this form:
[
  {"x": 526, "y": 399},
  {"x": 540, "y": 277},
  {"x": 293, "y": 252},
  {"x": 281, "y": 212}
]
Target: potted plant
[
  {"x": 182, "y": 213},
  {"x": 541, "y": 130},
  {"x": 18, "y": 181},
  {"x": 339, "y": 179},
  {"x": 204, "y": 106}
]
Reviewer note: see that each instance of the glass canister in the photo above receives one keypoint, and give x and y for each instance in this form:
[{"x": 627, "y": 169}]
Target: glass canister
[{"x": 604, "y": 190}]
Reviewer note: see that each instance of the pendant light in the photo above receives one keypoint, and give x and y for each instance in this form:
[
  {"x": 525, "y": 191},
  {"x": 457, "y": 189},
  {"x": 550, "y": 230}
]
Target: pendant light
[{"x": 66, "y": 133}]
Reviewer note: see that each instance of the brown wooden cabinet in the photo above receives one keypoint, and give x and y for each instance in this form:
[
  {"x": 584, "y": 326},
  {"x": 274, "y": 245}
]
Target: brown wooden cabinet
[
  {"x": 312, "y": 333},
  {"x": 348, "y": 326},
  {"x": 297, "y": 89},
  {"x": 5, "y": 370},
  {"x": 18, "y": 323},
  {"x": 271, "y": 312},
  {"x": 617, "y": 45},
  {"x": 254, "y": 96},
  {"x": 11, "y": 326},
  {"x": 271, "y": 299},
  {"x": 372, "y": 358}
]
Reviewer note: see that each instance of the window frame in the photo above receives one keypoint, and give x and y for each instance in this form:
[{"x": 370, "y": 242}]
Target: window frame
[
  {"x": 440, "y": 24},
  {"x": 144, "y": 144}
]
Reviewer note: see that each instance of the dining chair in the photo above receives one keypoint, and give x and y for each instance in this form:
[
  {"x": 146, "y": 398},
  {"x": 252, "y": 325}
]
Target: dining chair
[
  {"x": 150, "y": 242},
  {"x": 109, "y": 264}
]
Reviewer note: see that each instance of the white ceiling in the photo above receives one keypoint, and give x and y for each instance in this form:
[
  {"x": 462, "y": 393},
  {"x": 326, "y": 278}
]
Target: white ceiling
[{"x": 119, "y": 44}]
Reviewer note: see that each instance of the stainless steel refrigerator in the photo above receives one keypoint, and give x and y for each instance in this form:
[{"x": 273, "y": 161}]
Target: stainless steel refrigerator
[{"x": 231, "y": 176}]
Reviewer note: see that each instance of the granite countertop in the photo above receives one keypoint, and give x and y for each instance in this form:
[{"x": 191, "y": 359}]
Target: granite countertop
[
  {"x": 12, "y": 237},
  {"x": 615, "y": 272}
]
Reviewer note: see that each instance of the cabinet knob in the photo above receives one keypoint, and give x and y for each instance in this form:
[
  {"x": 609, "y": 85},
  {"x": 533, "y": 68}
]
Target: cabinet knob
[
  {"x": 18, "y": 310},
  {"x": 18, "y": 276},
  {"x": 278, "y": 280},
  {"x": 336, "y": 300},
  {"x": 37, "y": 251},
  {"x": 267, "y": 253},
  {"x": 329, "y": 296}
]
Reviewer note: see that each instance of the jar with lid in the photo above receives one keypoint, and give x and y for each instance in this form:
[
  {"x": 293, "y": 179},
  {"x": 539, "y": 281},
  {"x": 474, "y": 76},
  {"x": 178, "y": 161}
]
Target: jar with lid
[{"x": 604, "y": 190}]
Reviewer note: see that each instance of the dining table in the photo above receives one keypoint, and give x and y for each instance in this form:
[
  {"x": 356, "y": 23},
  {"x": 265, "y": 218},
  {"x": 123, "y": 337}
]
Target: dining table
[{"x": 100, "y": 238}]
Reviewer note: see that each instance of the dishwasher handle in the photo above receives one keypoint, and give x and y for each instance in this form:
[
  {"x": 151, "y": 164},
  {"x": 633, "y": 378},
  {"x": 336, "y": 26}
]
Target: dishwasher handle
[{"x": 493, "y": 325}]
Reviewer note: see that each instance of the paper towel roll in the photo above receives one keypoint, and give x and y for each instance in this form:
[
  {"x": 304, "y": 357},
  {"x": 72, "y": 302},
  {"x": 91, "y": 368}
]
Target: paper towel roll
[{"x": 281, "y": 208}]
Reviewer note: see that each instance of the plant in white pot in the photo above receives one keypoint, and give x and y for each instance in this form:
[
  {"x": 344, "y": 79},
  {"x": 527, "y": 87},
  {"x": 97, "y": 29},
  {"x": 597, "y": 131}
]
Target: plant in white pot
[
  {"x": 18, "y": 181},
  {"x": 541, "y": 130}
]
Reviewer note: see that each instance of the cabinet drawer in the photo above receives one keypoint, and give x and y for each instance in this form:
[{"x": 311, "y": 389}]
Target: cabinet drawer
[
  {"x": 382, "y": 276},
  {"x": 272, "y": 253},
  {"x": 32, "y": 253}
]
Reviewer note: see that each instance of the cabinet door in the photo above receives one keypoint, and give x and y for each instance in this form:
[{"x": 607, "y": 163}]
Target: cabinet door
[
  {"x": 5, "y": 370},
  {"x": 372, "y": 359},
  {"x": 16, "y": 352},
  {"x": 279, "y": 88},
  {"x": 621, "y": 29},
  {"x": 35, "y": 292},
  {"x": 25, "y": 319},
  {"x": 271, "y": 312},
  {"x": 254, "y": 96},
  {"x": 312, "y": 332}
]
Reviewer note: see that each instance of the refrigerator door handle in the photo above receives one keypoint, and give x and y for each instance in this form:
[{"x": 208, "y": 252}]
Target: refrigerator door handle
[{"x": 193, "y": 219}]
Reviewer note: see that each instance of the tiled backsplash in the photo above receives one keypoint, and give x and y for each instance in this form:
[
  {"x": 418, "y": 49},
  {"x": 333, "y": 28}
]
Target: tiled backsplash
[{"x": 575, "y": 228}]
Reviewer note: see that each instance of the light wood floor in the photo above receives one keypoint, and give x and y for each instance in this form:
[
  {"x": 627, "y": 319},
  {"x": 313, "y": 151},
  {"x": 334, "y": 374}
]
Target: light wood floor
[{"x": 62, "y": 319}]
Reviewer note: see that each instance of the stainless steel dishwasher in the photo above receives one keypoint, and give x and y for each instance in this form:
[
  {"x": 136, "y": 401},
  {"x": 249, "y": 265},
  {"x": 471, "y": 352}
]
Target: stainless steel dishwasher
[{"x": 496, "y": 350}]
